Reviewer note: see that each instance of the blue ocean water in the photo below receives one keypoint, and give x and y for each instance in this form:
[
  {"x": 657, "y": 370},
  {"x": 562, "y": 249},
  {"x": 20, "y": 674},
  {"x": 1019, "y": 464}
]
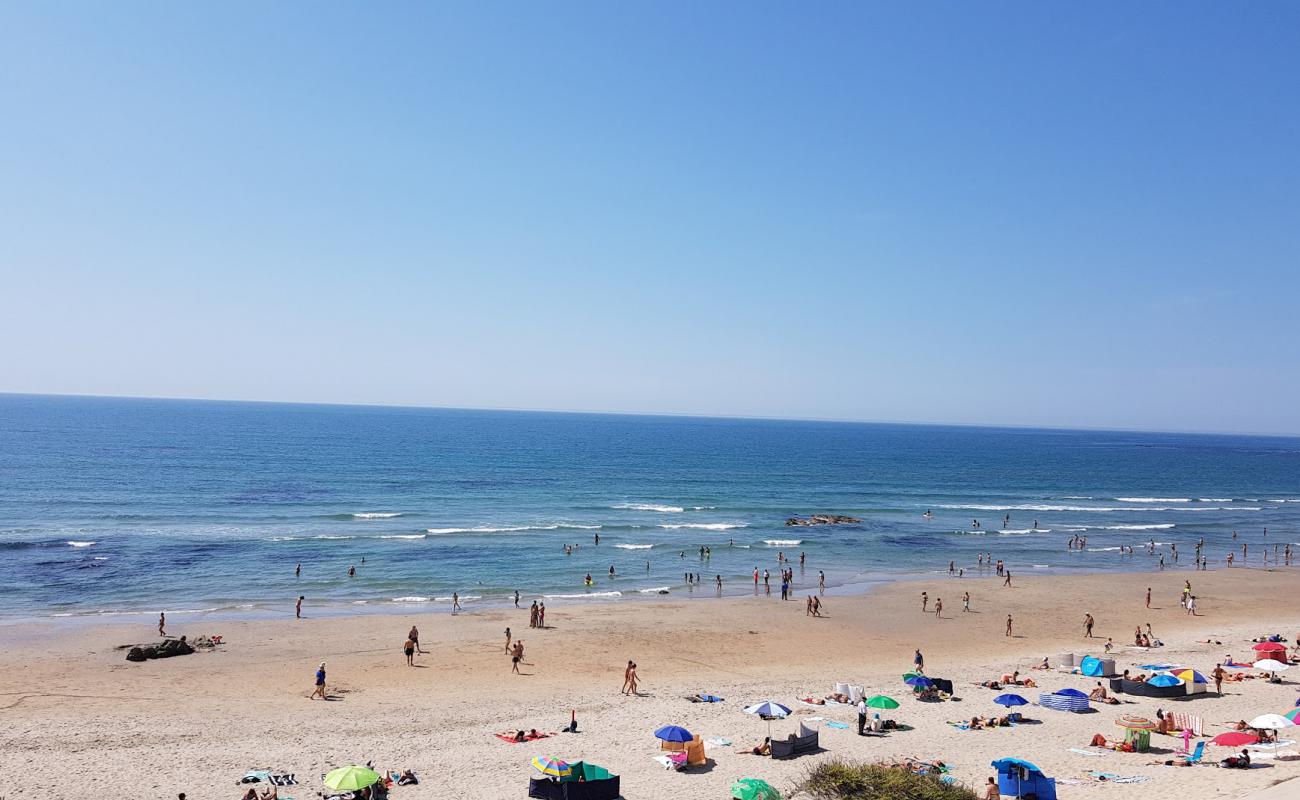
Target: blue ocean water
[{"x": 112, "y": 506}]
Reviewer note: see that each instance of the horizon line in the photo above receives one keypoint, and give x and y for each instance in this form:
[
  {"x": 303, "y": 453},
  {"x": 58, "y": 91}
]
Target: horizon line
[{"x": 670, "y": 414}]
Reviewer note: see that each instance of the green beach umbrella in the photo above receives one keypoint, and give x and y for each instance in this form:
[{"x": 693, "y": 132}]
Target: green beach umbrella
[
  {"x": 351, "y": 779},
  {"x": 880, "y": 701},
  {"x": 907, "y": 675},
  {"x": 754, "y": 789}
]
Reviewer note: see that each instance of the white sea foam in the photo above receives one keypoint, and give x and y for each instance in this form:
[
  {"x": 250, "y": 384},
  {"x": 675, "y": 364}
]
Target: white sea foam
[
  {"x": 1039, "y": 566},
  {"x": 1155, "y": 499},
  {"x": 489, "y": 529},
  {"x": 1164, "y": 526},
  {"x": 634, "y": 546},
  {"x": 1077, "y": 497},
  {"x": 101, "y": 558},
  {"x": 581, "y": 596},
  {"x": 703, "y": 508},
  {"x": 405, "y": 536},
  {"x": 463, "y": 597},
  {"x": 707, "y": 526},
  {"x": 1214, "y": 499},
  {"x": 1021, "y": 531},
  {"x": 649, "y": 507},
  {"x": 82, "y": 544},
  {"x": 376, "y": 514},
  {"x": 411, "y": 599},
  {"x": 782, "y": 542},
  {"x": 1099, "y": 509},
  {"x": 655, "y": 590},
  {"x": 1103, "y": 549}
]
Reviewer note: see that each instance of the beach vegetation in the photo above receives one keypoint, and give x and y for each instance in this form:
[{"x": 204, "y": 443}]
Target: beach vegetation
[{"x": 845, "y": 780}]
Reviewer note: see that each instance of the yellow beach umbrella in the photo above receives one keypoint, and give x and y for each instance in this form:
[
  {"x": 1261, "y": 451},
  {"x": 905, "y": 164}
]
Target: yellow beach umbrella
[{"x": 351, "y": 778}]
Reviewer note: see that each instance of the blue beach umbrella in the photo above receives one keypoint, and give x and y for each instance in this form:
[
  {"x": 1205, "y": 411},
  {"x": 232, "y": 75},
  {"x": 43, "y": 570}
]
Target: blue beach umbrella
[
  {"x": 919, "y": 680},
  {"x": 674, "y": 733},
  {"x": 1164, "y": 680},
  {"x": 1010, "y": 700}
]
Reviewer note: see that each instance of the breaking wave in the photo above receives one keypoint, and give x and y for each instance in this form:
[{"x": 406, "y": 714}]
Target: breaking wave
[{"x": 649, "y": 507}]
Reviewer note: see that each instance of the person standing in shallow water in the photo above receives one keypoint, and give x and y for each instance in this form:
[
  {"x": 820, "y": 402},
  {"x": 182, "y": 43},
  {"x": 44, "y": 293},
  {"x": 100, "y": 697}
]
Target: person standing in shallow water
[
  {"x": 297, "y": 607},
  {"x": 162, "y": 623}
]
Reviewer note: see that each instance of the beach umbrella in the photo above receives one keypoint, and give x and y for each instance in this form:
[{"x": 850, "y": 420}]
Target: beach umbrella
[
  {"x": 553, "y": 767},
  {"x": 1235, "y": 739},
  {"x": 754, "y": 789},
  {"x": 769, "y": 709},
  {"x": 880, "y": 701},
  {"x": 1010, "y": 700},
  {"x": 907, "y": 675},
  {"x": 1293, "y": 715},
  {"x": 1271, "y": 665},
  {"x": 1164, "y": 679},
  {"x": 674, "y": 733},
  {"x": 1270, "y": 722},
  {"x": 1267, "y": 647},
  {"x": 919, "y": 680},
  {"x": 1189, "y": 675},
  {"x": 1135, "y": 723},
  {"x": 351, "y": 778}
]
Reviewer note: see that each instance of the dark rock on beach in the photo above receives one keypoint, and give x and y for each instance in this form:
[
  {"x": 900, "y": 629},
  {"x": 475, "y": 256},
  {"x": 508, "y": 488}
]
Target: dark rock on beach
[
  {"x": 823, "y": 519},
  {"x": 164, "y": 649}
]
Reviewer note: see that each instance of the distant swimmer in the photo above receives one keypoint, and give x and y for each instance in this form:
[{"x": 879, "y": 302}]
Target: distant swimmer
[
  {"x": 297, "y": 571},
  {"x": 611, "y": 570},
  {"x": 597, "y": 538},
  {"x": 352, "y": 571},
  {"x": 588, "y": 580}
]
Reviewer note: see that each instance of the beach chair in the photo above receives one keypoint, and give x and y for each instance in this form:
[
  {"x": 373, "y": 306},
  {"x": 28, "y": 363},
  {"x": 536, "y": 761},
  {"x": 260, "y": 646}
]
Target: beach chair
[{"x": 1197, "y": 754}]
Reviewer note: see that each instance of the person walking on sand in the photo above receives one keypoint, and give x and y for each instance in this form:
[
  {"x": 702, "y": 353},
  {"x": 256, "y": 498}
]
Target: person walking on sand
[
  {"x": 965, "y": 602},
  {"x": 532, "y": 615},
  {"x": 162, "y": 623},
  {"x": 1008, "y": 625},
  {"x": 925, "y": 602},
  {"x": 1148, "y": 597},
  {"x": 862, "y": 716},
  {"x": 1087, "y": 625},
  {"x": 414, "y": 636},
  {"x": 817, "y": 606},
  {"x": 1218, "y": 674},
  {"x": 821, "y": 581},
  {"x": 516, "y": 598},
  {"x": 938, "y": 608},
  {"x": 1191, "y": 605},
  {"x": 1007, "y": 574},
  {"x": 297, "y": 607},
  {"x": 627, "y": 676},
  {"x": 319, "y": 691},
  {"x": 515, "y": 657},
  {"x": 541, "y": 615},
  {"x": 633, "y": 682},
  {"x": 507, "y": 639},
  {"x": 808, "y": 609},
  {"x": 918, "y": 662},
  {"x": 408, "y": 647}
]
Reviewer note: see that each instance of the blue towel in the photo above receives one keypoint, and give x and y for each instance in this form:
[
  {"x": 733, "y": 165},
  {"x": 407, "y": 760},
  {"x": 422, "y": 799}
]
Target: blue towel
[{"x": 839, "y": 725}]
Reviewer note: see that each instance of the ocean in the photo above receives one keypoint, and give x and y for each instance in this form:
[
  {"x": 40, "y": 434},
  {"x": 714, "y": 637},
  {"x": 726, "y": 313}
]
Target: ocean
[{"x": 131, "y": 506}]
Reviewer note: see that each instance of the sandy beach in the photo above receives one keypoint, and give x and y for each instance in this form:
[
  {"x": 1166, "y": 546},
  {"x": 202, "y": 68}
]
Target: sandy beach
[{"x": 80, "y": 721}]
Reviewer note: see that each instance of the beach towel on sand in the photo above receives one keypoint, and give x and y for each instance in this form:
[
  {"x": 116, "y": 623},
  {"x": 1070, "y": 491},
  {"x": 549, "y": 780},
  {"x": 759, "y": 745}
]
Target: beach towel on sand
[{"x": 510, "y": 737}]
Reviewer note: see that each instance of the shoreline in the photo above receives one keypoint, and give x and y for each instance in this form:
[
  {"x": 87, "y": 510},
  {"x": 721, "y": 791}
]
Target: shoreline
[{"x": 869, "y": 582}]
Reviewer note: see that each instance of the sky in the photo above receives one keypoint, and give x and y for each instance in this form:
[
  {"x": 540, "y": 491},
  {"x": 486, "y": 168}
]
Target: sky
[{"x": 1013, "y": 213}]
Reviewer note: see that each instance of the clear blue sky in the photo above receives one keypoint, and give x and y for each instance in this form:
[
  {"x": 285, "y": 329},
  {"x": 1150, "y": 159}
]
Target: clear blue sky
[{"x": 1024, "y": 213}]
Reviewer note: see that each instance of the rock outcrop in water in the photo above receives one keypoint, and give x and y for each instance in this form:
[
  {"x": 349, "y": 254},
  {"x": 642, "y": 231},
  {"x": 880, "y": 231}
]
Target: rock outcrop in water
[
  {"x": 164, "y": 649},
  {"x": 822, "y": 519}
]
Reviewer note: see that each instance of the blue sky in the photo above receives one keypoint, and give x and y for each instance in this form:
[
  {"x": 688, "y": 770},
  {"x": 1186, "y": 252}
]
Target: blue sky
[{"x": 1019, "y": 213}]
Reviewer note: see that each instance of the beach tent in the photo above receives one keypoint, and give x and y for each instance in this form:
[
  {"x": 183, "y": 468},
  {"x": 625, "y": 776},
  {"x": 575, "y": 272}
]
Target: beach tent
[
  {"x": 1019, "y": 778},
  {"x": 1097, "y": 667},
  {"x": 1071, "y": 700},
  {"x": 583, "y": 782},
  {"x": 1273, "y": 650}
]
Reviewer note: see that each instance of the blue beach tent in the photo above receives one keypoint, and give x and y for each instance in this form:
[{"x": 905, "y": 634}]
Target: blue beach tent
[{"x": 1019, "y": 778}]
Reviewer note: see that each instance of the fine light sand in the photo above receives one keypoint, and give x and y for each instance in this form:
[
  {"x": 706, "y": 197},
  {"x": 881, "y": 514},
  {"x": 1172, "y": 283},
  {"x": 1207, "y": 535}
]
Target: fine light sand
[{"x": 78, "y": 721}]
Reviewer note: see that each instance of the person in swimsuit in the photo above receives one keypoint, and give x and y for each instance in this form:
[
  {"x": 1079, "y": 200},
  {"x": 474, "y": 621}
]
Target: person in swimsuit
[
  {"x": 414, "y": 636},
  {"x": 409, "y": 648},
  {"x": 162, "y": 624},
  {"x": 297, "y": 607},
  {"x": 507, "y": 640},
  {"x": 1008, "y": 633}
]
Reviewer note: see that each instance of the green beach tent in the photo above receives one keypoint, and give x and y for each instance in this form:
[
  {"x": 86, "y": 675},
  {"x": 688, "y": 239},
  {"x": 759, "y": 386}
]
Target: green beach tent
[{"x": 754, "y": 789}]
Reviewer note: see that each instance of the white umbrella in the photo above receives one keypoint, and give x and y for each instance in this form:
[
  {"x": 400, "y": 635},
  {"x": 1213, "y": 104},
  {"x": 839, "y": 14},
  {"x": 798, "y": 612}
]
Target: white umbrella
[
  {"x": 1270, "y": 722},
  {"x": 770, "y": 709},
  {"x": 1271, "y": 665}
]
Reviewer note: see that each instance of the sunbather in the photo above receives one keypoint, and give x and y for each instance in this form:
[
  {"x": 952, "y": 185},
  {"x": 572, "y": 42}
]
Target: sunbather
[
  {"x": 407, "y": 778},
  {"x": 1177, "y": 762},
  {"x": 1099, "y": 694},
  {"x": 764, "y": 749}
]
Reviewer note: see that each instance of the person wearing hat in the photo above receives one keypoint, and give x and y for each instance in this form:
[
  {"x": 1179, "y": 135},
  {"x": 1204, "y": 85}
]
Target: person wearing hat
[{"x": 320, "y": 683}]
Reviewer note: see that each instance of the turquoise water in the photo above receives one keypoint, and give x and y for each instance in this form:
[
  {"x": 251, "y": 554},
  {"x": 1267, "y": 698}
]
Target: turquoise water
[{"x": 127, "y": 506}]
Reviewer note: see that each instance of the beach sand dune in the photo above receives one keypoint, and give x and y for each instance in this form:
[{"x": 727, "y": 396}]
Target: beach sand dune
[{"x": 80, "y": 721}]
